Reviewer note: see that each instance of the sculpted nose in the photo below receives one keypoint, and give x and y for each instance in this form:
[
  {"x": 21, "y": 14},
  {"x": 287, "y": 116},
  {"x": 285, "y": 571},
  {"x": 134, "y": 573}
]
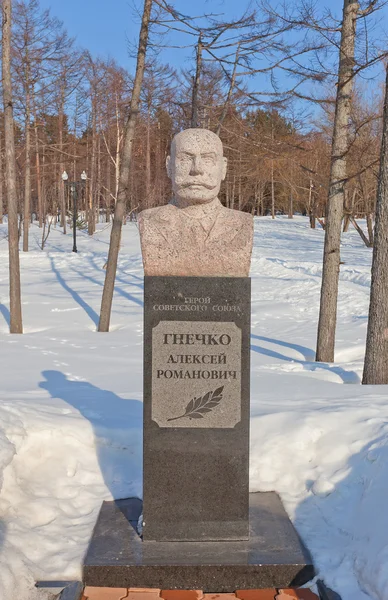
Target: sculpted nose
[{"x": 196, "y": 166}]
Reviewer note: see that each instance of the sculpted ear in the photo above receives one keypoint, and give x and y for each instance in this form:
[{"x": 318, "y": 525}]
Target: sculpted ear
[
  {"x": 224, "y": 167},
  {"x": 168, "y": 166}
]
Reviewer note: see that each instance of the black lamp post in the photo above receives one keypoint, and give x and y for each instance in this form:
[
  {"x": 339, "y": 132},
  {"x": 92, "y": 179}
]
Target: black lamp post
[{"x": 73, "y": 185}]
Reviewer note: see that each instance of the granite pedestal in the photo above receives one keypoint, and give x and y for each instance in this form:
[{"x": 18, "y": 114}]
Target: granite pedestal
[
  {"x": 201, "y": 528},
  {"x": 196, "y": 408},
  {"x": 274, "y": 556}
]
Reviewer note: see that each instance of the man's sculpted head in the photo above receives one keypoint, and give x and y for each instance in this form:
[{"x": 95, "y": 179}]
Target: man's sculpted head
[{"x": 196, "y": 166}]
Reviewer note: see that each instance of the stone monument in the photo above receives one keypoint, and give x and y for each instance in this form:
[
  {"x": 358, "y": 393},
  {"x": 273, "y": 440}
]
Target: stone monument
[
  {"x": 196, "y": 256},
  {"x": 201, "y": 529},
  {"x": 195, "y": 235}
]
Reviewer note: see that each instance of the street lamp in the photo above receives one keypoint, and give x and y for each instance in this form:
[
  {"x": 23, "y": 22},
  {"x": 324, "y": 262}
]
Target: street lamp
[{"x": 73, "y": 189}]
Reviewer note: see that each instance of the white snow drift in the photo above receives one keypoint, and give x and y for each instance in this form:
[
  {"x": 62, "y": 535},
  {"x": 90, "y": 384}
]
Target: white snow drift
[{"x": 71, "y": 406}]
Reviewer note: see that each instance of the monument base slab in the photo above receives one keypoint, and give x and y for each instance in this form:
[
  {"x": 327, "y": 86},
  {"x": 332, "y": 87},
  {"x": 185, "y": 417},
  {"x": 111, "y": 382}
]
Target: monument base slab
[{"x": 274, "y": 556}]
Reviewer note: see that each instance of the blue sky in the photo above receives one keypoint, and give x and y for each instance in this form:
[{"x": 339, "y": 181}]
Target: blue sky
[{"x": 104, "y": 28}]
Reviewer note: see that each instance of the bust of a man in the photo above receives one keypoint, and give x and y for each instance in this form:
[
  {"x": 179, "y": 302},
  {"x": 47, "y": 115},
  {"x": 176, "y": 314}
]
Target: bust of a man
[{"x": 195, "y": 235}]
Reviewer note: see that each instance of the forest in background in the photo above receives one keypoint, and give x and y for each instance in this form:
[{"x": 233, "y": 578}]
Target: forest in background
[
  {"x": 70, "y": 110},
  {"x": 256, "y": 82}
]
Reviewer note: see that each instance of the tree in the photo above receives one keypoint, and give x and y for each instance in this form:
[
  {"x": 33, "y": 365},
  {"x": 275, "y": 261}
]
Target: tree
[
  {"x": 376, "y": 357},
  {"x": 338, "y": 175},
  {"x": 125, "y": 167},
  {"x": 1, "y": 181},
  {"x": 16, "y": 325}
]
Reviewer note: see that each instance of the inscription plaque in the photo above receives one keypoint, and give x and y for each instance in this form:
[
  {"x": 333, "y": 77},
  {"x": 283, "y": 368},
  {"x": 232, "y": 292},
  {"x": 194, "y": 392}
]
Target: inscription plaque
[
  {"x": 196, "y": 374},
  {"x": 196, "y": 408}
]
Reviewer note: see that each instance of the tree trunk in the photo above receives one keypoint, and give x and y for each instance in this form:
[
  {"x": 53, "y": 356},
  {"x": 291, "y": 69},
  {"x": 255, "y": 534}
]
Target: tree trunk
[
  {"x": 16, "y": 325},
  {"x": 1, "y": 182},
  {"x": 148, "y": 160},
  {"x": 38, "y": 173},
  {"x": 272, "y": 174},
  {"x": 229, "y": 94},
  {"x": 118, "y": 147},
  {"x": 108, "y": 191},
  {"x": 311, "y": 205},
  {"x": 240, "y": 203},
  {"x": 376, "y": 357},
  {"x": 335, "y": 203},
  {"x": 369, "y": 224},
  {"x": 360, "y": 232},
  {"x": 291, "y": 206},
  {"x": 99, "y": 182},
  {"x": 92, "y": 183},
  {"x": 62, "y": 198},
  {"x": 194, "y": 104},
  {"x": 27, "y": 180},
  {"x": 114, "y": 246}
]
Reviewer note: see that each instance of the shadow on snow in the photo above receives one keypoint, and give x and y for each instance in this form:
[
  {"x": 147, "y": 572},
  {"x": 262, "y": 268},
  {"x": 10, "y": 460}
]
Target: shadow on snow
[
  {"x": 308, "y": 354},
  {"x": 117, "y": 425}
]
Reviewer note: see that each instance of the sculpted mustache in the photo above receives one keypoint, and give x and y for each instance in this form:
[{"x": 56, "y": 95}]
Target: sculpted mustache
[{"x": 202, "y": 183}]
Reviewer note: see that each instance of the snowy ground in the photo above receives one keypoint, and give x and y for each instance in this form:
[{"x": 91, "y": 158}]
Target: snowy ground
[{"x": 71, "y": 413}]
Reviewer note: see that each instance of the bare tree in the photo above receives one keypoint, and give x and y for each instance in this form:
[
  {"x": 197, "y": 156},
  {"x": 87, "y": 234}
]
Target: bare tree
[
  {"x": 196, "y": 81},
  {"x": 16, "y": 325},
  {"x": 376, "y": 357},
  {"x": 126, "y": 162},
  {"x": 338, "y": 175},
  {"x": 1, "y": 181}
]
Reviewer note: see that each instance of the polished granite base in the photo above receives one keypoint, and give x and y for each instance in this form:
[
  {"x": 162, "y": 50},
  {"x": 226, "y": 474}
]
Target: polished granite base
[
  {"x": 196, "y": 467},
  {"x": 274, "y": 556}
]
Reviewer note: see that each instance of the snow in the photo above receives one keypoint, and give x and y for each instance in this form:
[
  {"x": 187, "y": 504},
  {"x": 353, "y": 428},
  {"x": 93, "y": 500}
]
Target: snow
[{"x": 71, "y": 406}]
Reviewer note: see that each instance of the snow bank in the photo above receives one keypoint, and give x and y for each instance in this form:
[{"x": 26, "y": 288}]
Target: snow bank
[{"x": 70, "y": 406}]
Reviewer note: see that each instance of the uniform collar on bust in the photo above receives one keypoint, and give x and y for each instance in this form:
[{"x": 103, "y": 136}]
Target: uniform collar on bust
[{"x": 200, "y": 211}]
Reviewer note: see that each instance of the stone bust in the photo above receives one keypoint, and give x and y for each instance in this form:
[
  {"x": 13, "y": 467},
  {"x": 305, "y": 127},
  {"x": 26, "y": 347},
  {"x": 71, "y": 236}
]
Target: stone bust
[{"x": 195, "y": 235}]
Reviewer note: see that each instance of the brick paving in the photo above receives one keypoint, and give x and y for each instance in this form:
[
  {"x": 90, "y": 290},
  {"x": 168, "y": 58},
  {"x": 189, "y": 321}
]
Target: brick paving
[{"x": 99, "y": 593}]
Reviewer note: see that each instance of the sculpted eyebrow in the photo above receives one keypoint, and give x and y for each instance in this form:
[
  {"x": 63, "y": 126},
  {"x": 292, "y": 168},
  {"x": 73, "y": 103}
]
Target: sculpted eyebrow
[{"x": 185, "y": 153}]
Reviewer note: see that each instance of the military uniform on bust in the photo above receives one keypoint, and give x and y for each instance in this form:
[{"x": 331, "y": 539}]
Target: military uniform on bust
[{"x": 195, "y": 235}]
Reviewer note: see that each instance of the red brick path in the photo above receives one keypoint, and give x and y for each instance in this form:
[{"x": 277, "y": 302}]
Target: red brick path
[{"x": 99, "y": 593}]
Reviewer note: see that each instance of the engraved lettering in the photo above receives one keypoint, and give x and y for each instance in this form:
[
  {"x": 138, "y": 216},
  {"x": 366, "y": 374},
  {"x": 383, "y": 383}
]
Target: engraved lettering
[
  {"x": 180, "y": 307},
  {"x": 191, "y": 361},
  {"x": 189, "y": 300},
  {"x": 181, "y": 374},
  {"x": 206, "y": 339},
  {"x": 226, "y": 308}
]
